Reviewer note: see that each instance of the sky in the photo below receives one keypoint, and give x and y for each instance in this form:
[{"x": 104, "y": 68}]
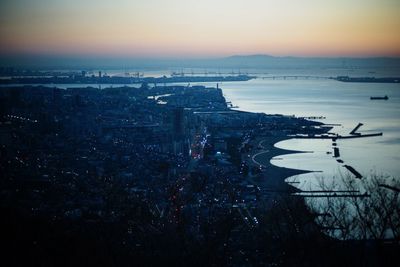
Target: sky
[{"x": 200, "y": 28}]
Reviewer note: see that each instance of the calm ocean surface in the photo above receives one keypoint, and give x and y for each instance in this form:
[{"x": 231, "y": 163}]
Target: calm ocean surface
[{"x": 341, "y": 103}]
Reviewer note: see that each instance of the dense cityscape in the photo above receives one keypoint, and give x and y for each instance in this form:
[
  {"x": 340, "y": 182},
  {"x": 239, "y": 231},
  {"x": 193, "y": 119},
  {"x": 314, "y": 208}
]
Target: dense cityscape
[{"x": 153, "y": 175}]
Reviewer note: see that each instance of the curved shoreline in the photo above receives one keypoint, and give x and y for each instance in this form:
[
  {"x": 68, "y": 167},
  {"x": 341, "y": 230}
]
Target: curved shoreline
[{"x": 273, "y": 177}]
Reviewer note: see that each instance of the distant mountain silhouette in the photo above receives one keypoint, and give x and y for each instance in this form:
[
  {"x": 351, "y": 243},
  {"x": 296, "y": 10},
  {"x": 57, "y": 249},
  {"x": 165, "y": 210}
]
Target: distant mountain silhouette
[
  {"x": 232, "y": 62},
  {"x": 267, "y": 61}
]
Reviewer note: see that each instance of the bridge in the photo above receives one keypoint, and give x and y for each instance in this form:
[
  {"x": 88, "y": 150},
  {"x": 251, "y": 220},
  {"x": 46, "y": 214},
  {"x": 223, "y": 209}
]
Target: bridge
[{"x": 296, "y": 77}]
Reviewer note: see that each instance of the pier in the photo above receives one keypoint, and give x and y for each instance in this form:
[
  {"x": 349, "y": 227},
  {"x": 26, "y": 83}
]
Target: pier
[
  {"x": 336, "y": 136},
  {"x": 353, "y": 171},
  {"x": 367, "y": 79},
  {"x": 359, "y": 136},
  {"x": 313, "y": 118},
  {"x": 336, "y": 152},
  {"x": 330, "y": 191},
  {"x": 296, "y": 77},
  {"x": 320, "y": 195},
  {"x": 354, "y": 131}
]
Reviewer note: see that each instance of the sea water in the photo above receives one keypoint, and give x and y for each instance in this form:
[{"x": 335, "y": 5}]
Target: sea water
[{"x": 341, "y": 103}]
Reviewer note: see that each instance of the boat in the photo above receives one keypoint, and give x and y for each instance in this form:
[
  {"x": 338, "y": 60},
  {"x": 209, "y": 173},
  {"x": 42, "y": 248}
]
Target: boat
[
  {"x": 177, "y": 74},
  {"x": 379, "y": 97}
]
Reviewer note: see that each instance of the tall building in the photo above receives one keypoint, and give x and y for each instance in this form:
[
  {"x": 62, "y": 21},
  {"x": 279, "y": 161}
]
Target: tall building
[{"x": 180, "y": 145}]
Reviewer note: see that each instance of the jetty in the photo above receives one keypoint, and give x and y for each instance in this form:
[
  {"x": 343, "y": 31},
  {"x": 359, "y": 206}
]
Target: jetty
[
  {"x": 353, "y": 171},
  {"x": 354, "y": 131},
  {"x": 320, "y": 195},
  {"x": 330, "y": 191},
  {"x": 367, "y": 79},
  {"x": 336, "y": 153},
  {"x": 335, "y": 136},
  {"x": 379, "y": 97},
  {"x": 296, "y": 77},
  {"x": 313, "y": 118},
  {"x": 359, "y": 136}
]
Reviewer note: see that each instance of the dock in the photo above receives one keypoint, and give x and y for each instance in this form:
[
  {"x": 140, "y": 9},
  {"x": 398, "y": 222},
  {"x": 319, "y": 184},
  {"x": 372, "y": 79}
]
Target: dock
[
  {"x": 320, "y": 195},
  {"x": 353, "y": 171},
  {"x": 330, "y": 191},
  {"x": 354, "y": 131},
  {"x": 359, "y": 136},
  {"x": 379, "y": 97},
  {"x": 336, "y": 152},
  {"x": 367, "y": 79},
  {"x": 295, "y": 77},
  {"x": 334, "y": 138},
  {"x": 313, "y": 118}
]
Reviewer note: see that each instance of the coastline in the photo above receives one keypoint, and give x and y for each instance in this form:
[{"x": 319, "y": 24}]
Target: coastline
[{"x": 272, "y": 177}]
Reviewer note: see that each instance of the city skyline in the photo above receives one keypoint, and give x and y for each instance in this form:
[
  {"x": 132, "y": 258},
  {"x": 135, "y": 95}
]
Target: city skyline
[{"x": 197, "y": 29}]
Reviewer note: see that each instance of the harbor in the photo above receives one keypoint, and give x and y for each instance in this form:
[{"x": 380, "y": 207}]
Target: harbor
[
  {"x": 335, "y": 137},
  {"x": 349, "y": 170}
]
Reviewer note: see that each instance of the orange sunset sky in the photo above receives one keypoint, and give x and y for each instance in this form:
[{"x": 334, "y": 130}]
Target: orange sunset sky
[{"x": 193, "y": 28}]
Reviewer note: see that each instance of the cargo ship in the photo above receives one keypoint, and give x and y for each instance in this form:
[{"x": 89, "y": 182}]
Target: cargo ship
[{"x": 379, "y": 97}]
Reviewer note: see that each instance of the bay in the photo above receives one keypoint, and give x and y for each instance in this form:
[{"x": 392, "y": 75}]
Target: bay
[{"x": 341, "y": 103}]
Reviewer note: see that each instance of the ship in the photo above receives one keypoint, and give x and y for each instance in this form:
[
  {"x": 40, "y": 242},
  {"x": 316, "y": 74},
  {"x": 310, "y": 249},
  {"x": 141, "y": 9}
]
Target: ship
[{"x": 379, "y": 97}]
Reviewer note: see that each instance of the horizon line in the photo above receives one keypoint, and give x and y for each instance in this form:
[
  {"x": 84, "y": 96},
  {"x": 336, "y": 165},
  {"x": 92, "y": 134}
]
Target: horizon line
[{"x": 184, "y": 56}]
